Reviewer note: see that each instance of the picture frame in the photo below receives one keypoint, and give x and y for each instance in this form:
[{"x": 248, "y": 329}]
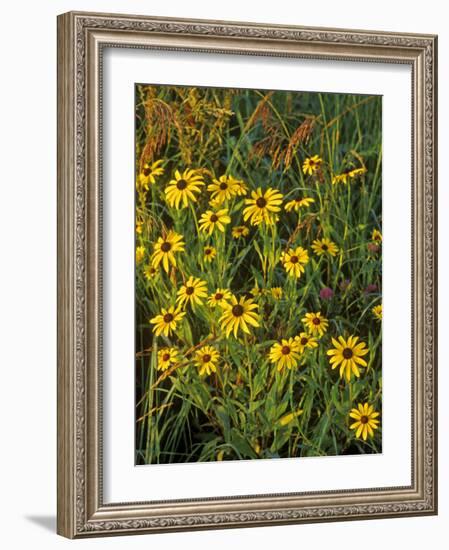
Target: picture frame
[{"x": 82, "y": 40}]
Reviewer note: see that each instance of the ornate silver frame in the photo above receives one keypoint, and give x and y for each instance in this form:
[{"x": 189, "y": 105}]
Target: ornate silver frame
[{"x": 81, "y": 38}]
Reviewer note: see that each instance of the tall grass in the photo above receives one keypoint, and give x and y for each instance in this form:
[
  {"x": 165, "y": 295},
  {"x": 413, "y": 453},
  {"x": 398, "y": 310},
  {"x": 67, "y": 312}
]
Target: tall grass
[{"x": 249, "y": 409}]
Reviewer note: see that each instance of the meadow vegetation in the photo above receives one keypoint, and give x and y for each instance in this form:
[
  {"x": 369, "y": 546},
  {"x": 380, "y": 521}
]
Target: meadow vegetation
[{"x": 258, "y": 274}]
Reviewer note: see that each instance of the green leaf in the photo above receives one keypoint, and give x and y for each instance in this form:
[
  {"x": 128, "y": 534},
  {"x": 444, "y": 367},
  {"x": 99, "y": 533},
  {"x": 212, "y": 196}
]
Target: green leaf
[
  {"x": 223, "y": 418},
  {"x": 242, "y": 445}
]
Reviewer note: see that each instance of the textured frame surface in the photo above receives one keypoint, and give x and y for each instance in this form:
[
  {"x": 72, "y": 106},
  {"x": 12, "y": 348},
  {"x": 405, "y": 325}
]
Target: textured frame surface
[{"x": 81, "y": 38}]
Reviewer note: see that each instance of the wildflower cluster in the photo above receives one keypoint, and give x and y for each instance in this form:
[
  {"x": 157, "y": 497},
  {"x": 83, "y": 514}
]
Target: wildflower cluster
[{"x": 254, "y": 323}]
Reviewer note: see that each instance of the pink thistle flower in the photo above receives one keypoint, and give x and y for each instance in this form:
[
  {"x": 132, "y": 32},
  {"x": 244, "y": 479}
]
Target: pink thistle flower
[{"x": 326, "y": 293}]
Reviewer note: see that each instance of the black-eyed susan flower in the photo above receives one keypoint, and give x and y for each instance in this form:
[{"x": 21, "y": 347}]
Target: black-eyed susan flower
[
  {"x": 148, "y": 175},
  {"x": 311, "y": 164},
  {"x": 215, "y": 203},
  {"x": 219, "y": 296},
  {"x": 167, "y": 357},
  {"x": 225, "y": 188},
  {"x": 183, "y": 188},
  {"x": 276, "y": 292},
  {"x": 324, "y": 246},
  {"x": 150, "y": 272},
  {"x": 211, "y": 220},
  {"x": 209, "y": 253},
  {"x": 256, "y": 291},
  {"x": 221, "y": 189},
  {"x": 305, "y": 341},
  {"x": 348, "y": 175},
  {"x": 239, "y": 187},
  {"x": 297, "y": 204},
  {"x": 285, "y": 354},
  {"x": 377, "y": 312},
  {"x": 294, "y": 260},
  {"x": 165, "y": 249},
  {"x": 192, "y": 292},
  {"x": 344, "y": 177},
  {"x": 355, "y": 172},
  {"x": 238, "y": 314},
  {"x": 240, "y": 231},
  {"x": 140, "y": 254},
  {"x": 376, "y": 236},
  {"x": 262, "y": 206},
  {"x": 206, "y": 360},
  {"x": 340, "y": 178},
  {"x": 348, "y": 353},
  {"x": 315, "y": 323},
  {"x": 165, "y": 322},
  {"x": 365, "y": 420}
]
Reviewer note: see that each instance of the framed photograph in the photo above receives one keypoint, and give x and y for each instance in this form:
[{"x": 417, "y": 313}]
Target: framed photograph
[{"x": 246, "y": 274}]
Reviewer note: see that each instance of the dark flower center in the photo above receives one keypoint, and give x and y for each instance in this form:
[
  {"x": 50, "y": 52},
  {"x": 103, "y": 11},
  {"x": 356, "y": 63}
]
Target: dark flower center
[
  {"x": 146, "y": 171},
  {"x": 294, "y": 259},
  {"x": 304, "y": 341},
  {"x": 316, "y": 321},
  {"x": 166, "y": 357},
  {"x": 223, "y": 186},
  {"x": 311, "y": 162},
  {"x": 237, "y": 310},
  {"x": 285, "y": 350},
  {"x": 219, "y": 296},
  {"x": 182, "y": 184},
  {"x": 324, "y": 247},
  {"x": 166, "y": 246},
  {"x": 208, "y": 251},
  {"x": 168, "y": 318},
  {"x": 261, "y": 202},
  {"x": 214, "y": 218},
  {"x": 189, "y": 290},
  {"x": 347, "y": 353},
  {"x": 364, "y": 419},
  {"x": 206, "y": 358}
]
